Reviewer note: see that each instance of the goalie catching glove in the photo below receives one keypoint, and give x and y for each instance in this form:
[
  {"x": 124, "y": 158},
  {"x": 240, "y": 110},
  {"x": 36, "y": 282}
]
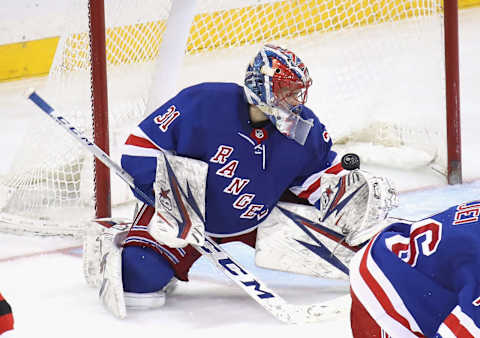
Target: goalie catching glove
[
  {"x": 356, "y": 203},
  {"x": 179, "y": 201}
]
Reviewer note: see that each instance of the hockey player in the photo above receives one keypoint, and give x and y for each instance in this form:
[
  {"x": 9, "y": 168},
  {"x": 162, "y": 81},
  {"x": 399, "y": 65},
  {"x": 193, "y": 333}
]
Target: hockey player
[
  {"x": 258, "y": 141},
  {"x": 6, "y": 317},
  {"x": 420, "y": 279}
]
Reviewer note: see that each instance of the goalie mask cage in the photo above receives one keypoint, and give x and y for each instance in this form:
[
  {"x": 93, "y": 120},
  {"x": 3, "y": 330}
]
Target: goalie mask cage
[{"x": 379, "y": 85}]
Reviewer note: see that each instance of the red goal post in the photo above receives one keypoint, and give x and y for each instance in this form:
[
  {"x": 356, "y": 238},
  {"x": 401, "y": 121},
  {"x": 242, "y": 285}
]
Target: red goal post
[
  {"x": 452, "y": 92},
  {"x": 96, "y": 10}
]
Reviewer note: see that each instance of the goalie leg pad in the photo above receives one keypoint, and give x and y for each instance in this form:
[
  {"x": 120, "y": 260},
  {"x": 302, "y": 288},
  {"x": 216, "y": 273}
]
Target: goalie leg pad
[
  {"x": 113, "y": 228},
  {"x": 113, "y": 234},
  {"x": 111, "y": 289},
  {"x": 91, "y": 255},
  {"x": 290, "y": 239}
]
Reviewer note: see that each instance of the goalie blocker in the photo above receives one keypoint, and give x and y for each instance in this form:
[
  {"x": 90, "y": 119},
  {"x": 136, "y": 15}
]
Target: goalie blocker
[{"x": 179, "y": 201}]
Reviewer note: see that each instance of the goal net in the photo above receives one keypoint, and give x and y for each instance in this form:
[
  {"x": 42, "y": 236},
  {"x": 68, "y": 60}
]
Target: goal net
[{"x": 378, "y": 86}]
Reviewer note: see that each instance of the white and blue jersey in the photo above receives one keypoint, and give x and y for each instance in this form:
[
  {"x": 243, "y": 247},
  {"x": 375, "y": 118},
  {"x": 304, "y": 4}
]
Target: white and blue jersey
[
  {"x": 422, "y": 279},
  {"x": 249, "y": 168}
]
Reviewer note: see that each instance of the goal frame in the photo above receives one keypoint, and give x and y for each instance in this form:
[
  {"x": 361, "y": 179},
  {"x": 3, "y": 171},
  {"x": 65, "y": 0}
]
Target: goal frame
[
  {"x": 452, "y": 92},
  {"x": 100, "y": 102},
  {"x": 99, "y": 95}
]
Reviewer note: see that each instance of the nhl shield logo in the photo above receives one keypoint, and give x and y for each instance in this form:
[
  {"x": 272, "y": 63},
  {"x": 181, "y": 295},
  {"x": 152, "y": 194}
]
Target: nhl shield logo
[{"x": 259, "y": 135}]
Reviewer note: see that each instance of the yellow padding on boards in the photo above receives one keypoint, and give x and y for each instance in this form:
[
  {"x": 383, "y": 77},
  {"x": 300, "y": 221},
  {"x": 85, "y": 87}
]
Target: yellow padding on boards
[
  {"x": 26, "y": 59},
  {"x": 291, "y": 19},
  {"x": 468, "y": 3},
  {"x": 124, "y": 45}
]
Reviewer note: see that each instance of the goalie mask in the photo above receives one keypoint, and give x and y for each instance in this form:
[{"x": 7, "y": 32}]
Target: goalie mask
[{"x": 277, "y": 82}]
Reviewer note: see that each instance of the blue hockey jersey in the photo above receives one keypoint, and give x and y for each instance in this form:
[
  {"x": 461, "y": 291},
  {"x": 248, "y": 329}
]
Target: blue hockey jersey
[
  {"x": 249, "y": 168},
  {"x": 423, "y": 278}
]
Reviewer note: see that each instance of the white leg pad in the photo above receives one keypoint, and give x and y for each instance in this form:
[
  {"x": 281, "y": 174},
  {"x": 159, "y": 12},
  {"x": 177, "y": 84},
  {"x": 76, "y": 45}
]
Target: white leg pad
[
  {"x": 93, "y": 249},
  {"x": 111, "y": 290},
  {"x": 92, "y": 255},
  {"x": 283, "y": 245}
]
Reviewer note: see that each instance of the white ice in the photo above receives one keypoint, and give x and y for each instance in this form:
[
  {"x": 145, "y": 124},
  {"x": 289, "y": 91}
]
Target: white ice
[{"x": 50, "y": 298}]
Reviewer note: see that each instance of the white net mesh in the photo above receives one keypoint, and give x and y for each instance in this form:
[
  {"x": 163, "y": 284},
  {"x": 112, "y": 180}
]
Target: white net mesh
[{"x": 378, "y": 86}]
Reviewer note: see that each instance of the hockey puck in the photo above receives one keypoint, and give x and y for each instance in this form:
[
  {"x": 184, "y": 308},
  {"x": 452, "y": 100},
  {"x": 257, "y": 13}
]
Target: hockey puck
[{"x": 350, "y": 161}]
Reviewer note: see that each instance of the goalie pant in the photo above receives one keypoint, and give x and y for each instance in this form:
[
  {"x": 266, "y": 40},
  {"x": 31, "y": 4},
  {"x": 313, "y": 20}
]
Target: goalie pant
[
  {"x": 6, "y": 317},
  {"x": 147, "y": 265},
  {"x": 420, "y": 279}
]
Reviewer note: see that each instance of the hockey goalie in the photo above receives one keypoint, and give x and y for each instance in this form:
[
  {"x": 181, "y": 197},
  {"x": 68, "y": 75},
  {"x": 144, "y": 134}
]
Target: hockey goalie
[{"x": 216, "y": 159}]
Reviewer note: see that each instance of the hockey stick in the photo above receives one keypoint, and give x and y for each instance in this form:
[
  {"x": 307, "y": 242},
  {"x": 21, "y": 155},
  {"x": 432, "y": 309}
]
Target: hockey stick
[{"x": 255, "y": 288}]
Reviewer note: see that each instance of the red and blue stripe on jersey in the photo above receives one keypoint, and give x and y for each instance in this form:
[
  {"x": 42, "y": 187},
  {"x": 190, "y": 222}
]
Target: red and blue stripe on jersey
[{"x": 421, "y": 279}]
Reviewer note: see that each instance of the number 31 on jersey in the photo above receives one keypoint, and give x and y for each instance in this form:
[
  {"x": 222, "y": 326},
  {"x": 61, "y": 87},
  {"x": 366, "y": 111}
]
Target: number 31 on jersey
[{"x": 165, "y": 120}]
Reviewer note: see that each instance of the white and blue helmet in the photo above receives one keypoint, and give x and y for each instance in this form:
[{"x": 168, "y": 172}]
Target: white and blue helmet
[{"x": 277, "y": 82}]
